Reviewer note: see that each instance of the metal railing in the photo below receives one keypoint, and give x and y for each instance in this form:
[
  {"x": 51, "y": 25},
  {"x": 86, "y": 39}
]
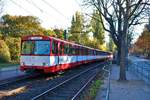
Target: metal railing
[
  {"x": 141, "y": 70},
  {"x": 108, "y": 79}
]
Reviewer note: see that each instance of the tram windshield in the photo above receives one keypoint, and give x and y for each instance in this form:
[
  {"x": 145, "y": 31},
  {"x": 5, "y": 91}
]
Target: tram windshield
[{"x": 36, "y": 47}]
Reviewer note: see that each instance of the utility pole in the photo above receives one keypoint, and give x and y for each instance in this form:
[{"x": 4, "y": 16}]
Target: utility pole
[{"x": 65, "y": 35}]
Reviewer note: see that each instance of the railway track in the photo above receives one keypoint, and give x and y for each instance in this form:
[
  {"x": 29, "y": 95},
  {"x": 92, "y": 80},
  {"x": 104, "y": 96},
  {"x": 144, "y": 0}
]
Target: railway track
[
  {"x": 70, "y": 88},
  {"x": 35, "y": 86}
]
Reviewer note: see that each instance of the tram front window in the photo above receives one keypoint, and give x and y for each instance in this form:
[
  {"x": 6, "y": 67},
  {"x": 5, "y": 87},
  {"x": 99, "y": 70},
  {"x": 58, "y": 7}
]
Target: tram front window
[{"x": 36, "y": 47}]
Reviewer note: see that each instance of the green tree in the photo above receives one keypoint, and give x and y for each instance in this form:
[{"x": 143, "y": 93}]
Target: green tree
[
  {"x": 97, "y": 27},
  {"x": 77, "y": 26},
  {"x": 17, "y": 26},
  {"x": 111, "y": 46},
  {"x": 4, "y": 52},
  {"x": 50, "y": 32},
  {"x": 14, "y": 45},
  {"x": 59, "y": 33}
]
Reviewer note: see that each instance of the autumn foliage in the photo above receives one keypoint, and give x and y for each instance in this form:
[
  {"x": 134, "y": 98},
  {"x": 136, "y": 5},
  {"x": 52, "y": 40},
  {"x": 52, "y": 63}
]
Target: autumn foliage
[{"x": 142, "y": 46}]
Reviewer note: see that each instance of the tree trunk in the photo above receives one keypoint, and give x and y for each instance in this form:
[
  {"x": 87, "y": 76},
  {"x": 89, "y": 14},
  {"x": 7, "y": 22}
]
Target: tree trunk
[
  {"x": 127, "y": 54},
  {"x": 118, "y": 56},
  {"x": 123, "y": 59}
]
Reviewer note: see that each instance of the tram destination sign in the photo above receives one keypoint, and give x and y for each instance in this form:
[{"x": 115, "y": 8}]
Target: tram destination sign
[{"x": 35, "y": 38}]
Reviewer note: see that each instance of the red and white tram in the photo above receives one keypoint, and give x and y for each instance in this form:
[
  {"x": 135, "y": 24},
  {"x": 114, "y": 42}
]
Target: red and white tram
[{"x": 50, "y": 54}]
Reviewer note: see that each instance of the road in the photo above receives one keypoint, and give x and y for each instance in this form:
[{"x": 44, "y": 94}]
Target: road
[{"x": 10, "y": 72}]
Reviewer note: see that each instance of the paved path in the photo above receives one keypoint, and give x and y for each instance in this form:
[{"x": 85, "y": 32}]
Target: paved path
[
  {"x": 10, "y": 68},
  {"x": 133, "y": 89},
  {"x": 10, "y": 72}
]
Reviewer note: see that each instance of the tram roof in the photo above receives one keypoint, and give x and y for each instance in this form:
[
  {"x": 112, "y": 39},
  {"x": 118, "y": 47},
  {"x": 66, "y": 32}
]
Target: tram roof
[{"x": 42, "y": 37}]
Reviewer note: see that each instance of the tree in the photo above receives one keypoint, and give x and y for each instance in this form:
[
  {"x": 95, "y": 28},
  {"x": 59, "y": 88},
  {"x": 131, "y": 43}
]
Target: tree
[
  {"x": 97, "y": 27},
  {"x": 17, "y": 26},
  {"x": 120, "y": 15},
  {"x": 59, "y": 33},
  {"x": 50, "y": 32},
  {"x": 111, "y": 46},
  {"x": 14, "y": 45},
  {"x": 77, "y": 27},
  {"x": 142, "y": 45},
  {"x": 4, "y": 52}
]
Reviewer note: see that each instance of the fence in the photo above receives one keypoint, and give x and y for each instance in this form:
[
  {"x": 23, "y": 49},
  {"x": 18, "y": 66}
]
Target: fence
[
  {"x": 141, "y": 69},
  {"x": 108, "y": 71}
]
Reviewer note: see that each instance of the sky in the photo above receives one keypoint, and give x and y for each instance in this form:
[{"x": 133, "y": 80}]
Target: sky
[{"x": 52, "y": 13}]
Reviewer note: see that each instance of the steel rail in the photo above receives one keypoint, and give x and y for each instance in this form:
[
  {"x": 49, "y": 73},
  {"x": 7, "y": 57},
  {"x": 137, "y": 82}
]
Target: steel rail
[
  {"x": 51, "y": 89},
  {"x": 79, "y": 92}
]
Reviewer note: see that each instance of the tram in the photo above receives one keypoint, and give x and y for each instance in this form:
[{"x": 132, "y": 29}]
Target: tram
[{"x": 51, "y": 55}]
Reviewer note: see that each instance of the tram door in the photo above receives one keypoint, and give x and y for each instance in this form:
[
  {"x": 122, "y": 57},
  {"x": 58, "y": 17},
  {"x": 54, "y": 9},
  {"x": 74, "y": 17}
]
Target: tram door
[
  {"x": 61, "y": 52},
  {"x": 55, "y": 52}
]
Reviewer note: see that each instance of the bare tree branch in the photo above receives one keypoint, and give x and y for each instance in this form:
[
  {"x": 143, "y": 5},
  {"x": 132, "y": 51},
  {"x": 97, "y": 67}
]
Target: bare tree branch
[
  {"x": 135, "y": 8},
  {"x": 136, "y": 15}
]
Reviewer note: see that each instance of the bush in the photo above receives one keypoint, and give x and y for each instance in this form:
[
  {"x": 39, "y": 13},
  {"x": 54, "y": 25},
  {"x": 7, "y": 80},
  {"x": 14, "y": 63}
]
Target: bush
[
  {"x": 4, "y": 52},
  {"x": 14, "y": 47}
]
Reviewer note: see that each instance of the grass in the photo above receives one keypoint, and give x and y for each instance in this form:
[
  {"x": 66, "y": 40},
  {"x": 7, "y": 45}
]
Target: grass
[
  {"x": 94, "y": 88},
  {"x": 4, "y": 65}
]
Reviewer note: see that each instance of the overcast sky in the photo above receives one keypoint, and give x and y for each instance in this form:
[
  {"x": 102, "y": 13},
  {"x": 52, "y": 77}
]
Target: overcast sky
[
  {"x": 52, "y": 13},
  {"x": 55, "y": 13}
]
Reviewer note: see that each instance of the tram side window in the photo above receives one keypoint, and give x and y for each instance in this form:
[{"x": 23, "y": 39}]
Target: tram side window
[
  {"x": 94, "y": 52},
  {"x": 54, "y": 47},
  {"x": 84, "y": 52},
  {"x": 80, "y": 52},
  {"x": 90, "y": 52},
  {"x": 87, "y": 51},
  {"x": 65, "y": 49},
  {"x": 70, "y": 49},
  {"x": 61, "y": 49},
  {"x": 76, "y": 50},
  {"x": 73, "y": 50}
]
